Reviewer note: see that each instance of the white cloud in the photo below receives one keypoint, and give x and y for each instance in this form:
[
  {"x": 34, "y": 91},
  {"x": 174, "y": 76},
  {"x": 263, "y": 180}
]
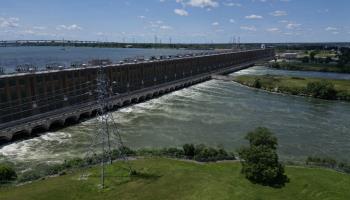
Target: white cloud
[
  {"x": 215, "y": 24},
  {"x": 202, "y": 3},
  {"x": 11, "y": 22},
  {"x": 292, "y": 26},
  {"x": 141, "y": 17},
  {"x": 165, "y": 27},
  {"x": 331, "y": 28},
  {"x": 72, "y": 27},
  {"x": 231, "y": 4},
  {"x": 283, "y": 21},
  {"x": 279, "y": 13},
  {"x": 181, "y": 12},
  {"x": 232, "y": 21},
  {"x": 273, "y": 30},
  {"x": 248, "y": 28},
  {"x": 39, "y": 27},
  {"x": 253, "y": 17}
]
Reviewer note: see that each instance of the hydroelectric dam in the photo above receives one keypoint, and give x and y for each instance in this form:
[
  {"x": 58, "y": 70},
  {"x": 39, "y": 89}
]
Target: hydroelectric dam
[{"x": 41, "y": 100}]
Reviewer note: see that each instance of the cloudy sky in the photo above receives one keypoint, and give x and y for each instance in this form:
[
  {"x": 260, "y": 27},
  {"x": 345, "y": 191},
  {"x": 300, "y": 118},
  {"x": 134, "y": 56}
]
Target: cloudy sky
[{"x": 177, "y": 20}]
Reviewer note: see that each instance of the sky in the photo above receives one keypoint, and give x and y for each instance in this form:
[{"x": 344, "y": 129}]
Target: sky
[{"x": 177, "y": 21}]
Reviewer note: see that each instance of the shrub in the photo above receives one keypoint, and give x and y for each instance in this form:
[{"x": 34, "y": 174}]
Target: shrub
[
  {"x": 257, "y": 83},
  {"x": 189, "y": 150},
  {"x": 29, "y": 176},
  {"x": 7, "y": 173},
  {"x": 305, "y": 59},
  {"x": 260, "y": 160},
  {"x": 321, "y": 89},
  {"x": 174, "y": 152}
]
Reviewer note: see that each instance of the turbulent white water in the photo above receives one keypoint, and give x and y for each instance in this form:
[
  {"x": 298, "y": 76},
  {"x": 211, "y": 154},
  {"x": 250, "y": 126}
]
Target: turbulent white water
[{"x": 214, "y": 113}]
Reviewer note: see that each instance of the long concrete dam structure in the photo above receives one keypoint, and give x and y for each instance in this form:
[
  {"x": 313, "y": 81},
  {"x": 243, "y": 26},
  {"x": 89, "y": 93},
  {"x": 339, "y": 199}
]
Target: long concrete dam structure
[{"x": 38, "y": 101}]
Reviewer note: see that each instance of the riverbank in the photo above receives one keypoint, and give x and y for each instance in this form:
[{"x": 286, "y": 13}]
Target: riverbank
[
  {"x": 313, "y": 87},
  {"x": 298, "y": 66},
  {"x": 161, "y": 178}
]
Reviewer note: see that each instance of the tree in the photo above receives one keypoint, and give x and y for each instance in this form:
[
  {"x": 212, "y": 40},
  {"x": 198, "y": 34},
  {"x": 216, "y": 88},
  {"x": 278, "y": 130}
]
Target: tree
[
  {"x": 305, "y": 59},
  {"x": 321, "y": 89},
  {"x": 344, "y": 57},
  {"x": 260, "y": 162},
  {"x": 189, "y": 150},
  {"x": 312, "y": 55},
  {"x": 7, "y": 174},
  {"x": 256, "y": 83}
]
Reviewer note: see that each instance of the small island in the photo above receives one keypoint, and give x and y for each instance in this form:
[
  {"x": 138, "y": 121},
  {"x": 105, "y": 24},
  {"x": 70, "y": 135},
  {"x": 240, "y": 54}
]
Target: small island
[{"x": 313, "y": 87}]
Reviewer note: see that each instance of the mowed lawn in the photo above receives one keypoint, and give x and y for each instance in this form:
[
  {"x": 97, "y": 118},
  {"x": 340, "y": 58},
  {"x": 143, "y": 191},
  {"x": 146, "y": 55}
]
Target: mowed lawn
[{"x": 171, "y": 179}]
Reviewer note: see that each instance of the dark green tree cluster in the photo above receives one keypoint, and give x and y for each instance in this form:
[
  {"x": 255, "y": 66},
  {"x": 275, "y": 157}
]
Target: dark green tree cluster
[
  {"x": 257, "y": 83},
  {"x": 344, "y": 57},
  {"x": 328, "y": 163},
  {"x": 260, "y": 162},
  {"x": 7, "y": 174},
  {"x": 321, "y": 89}
]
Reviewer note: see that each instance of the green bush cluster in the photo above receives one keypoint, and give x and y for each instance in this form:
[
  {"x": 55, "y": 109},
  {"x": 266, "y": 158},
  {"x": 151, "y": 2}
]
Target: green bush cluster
[
  {"x": 200, "y": 153},
  {"x": 321, "y": 89},
  {"x": 7, "y": 174},
  {"x": 328, "y": 163}
]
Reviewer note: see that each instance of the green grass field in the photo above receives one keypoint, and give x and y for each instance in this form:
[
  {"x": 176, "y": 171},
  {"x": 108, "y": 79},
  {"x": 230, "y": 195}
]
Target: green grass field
[{"x": 172, "y": 179}]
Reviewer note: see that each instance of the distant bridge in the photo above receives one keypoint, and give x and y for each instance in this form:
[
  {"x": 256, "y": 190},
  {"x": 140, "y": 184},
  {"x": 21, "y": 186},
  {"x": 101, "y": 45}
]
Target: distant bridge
[{"x": 38, "y": 101}]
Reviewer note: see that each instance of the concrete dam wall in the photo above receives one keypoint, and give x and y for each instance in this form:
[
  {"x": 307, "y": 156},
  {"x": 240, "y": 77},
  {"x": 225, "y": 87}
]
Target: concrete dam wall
[{"x": 40, "y": 100}]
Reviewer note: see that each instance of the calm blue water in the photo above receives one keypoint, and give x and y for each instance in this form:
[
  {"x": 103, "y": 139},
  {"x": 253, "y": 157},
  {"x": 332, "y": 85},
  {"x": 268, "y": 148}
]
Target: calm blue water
[{"x": 10, "y": 57}]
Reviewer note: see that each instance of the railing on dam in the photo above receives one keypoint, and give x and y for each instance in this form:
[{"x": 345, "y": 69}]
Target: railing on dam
[{"x": 27, "y": 95}]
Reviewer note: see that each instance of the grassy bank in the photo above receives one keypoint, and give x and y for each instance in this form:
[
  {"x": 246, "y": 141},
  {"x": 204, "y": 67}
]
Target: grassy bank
[
  {"x": 311, "y": 67},
  {"x": 297, "y": 86},
  {"x": 171, "y": 179}
]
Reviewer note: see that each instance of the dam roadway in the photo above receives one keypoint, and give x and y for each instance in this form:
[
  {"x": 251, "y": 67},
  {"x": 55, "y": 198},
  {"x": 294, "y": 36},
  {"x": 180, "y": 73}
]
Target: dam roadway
[{"x": 40, "y": 101}]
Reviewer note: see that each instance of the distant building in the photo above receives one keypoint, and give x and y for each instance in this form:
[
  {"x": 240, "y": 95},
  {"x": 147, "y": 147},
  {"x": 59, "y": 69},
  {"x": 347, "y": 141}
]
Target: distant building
[{"x": 289, "y": 56}]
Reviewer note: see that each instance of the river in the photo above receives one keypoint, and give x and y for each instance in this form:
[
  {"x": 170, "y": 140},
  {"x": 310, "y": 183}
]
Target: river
[
  {"x": 10, "y": 57},
  {"x": 214, "y": 113}
]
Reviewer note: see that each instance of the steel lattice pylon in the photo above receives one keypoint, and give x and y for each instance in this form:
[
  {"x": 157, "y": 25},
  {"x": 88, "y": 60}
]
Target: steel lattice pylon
[{"x": 108, "y": 135}]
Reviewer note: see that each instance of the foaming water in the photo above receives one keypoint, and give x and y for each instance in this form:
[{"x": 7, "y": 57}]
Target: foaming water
[{"x": 214, "y": 113}]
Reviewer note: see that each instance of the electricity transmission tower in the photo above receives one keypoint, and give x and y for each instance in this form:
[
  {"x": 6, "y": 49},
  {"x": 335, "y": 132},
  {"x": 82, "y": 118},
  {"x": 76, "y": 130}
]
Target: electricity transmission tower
[{"x": 107, "y": 138}]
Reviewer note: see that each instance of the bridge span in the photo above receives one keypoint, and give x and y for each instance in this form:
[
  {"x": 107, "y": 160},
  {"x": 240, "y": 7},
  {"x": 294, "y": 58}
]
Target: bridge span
[{"x": 39, "y": 101}]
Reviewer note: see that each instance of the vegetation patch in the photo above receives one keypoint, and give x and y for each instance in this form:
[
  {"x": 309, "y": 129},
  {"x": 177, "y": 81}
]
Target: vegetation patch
[
  {"x": 200, "y": 153},
  {"x": 319, "y": 67},
  {"x": 162, "y": 178},
  {"x": 313, "y": 87},
  {"x": 260, "y": 160}
]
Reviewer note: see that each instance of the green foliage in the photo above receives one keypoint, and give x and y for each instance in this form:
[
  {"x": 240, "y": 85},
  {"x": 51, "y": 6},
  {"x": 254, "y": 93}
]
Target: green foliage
[
  {"x": 344, "y": 57},
  {"x": 328, "y": 163},
  {"x": 262, "y": 137},
  {"x": 312, "y": 55},
  {"x": 328, "y": 60},
  {"x": 321, "y": 89},
  {"x": 275, "y": 65},
  {"x": 260, "y": 160},
  {"x": 7, "y": 173},
  {"x": 305, "y": 59},
  {"x": 257, "y": 83},
  {"x": 189, "y": 150}
]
